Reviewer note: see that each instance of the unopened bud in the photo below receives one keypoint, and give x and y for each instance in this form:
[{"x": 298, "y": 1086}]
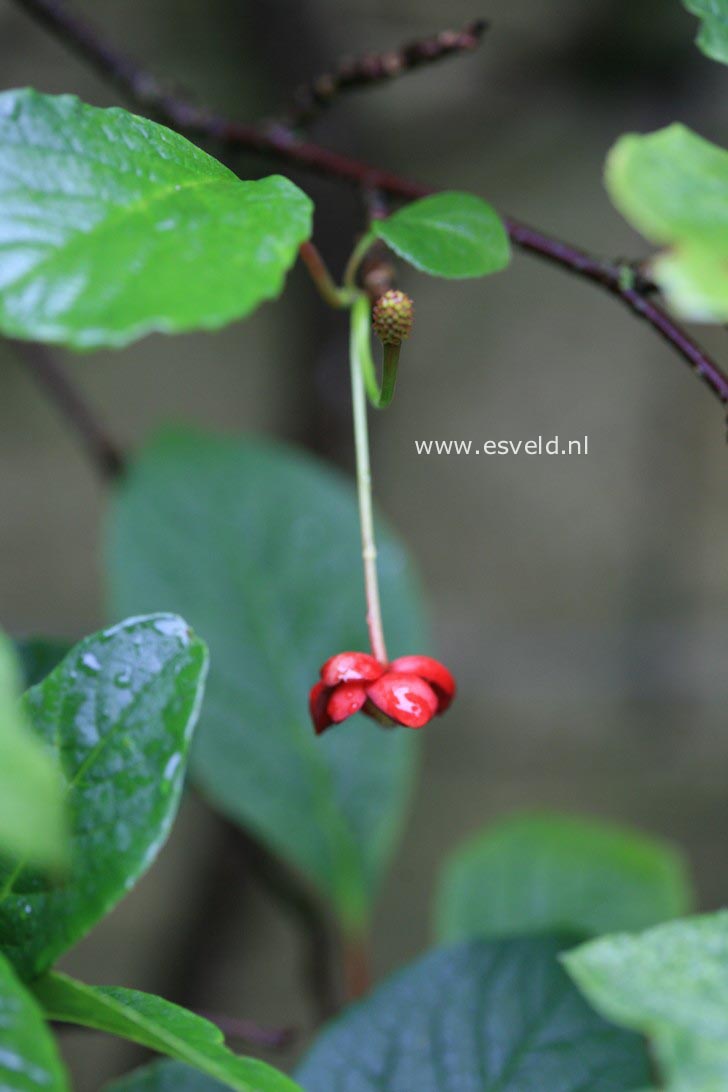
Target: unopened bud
[{"x": 392, "y": 317}]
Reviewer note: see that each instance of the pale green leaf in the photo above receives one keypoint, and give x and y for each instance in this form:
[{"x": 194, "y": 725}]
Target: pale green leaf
[
  {"x": 713, "y": 36},
  {"x": 112, "y": 226},
  {"x": 672, "y": 186},
  {"x": 672, "y": 984}
]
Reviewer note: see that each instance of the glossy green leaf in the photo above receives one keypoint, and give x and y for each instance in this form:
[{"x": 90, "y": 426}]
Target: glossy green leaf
[
  {"x": 259, "y": 546},
  {"x": 448, "y": 235},
  {"x": 672, "y": 984},
  {"x": 29, "y": 1060},
  {"x": 38, "y": 656},
  {"x": 486, "y": 1016},
  {"x": 32, "y": 816},
  {"x": 164, "y": 1076},
  {"x": 158, "y": 1025},
  {"x": 713, "y": 36},
  {"x": 542, "y": 872},
  {"x": 112, "y": 226},
  {"x": 118, "y": 713},
  {"x": 672, "y": 186}
]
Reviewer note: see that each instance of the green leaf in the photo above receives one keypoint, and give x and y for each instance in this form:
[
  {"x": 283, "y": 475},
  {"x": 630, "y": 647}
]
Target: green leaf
[
  {"x": 498, "y": 1016},
  {"x": 259, "y": 546},
  {"x": 164, "y": 1076},
  {"x": 672, "y": 186},
  {"x": 29, "y": 1060},
  {"x": 713, "y": 36},
  {"x": 112, "y": 226},
  {"x": 158, "y": 1025},
  {"x": 672, "y": 984},
  {"x": 542, "y": 872},
  {"x": 38, "y": 656},
  {"x": 32, "y": 817},
  {"x": 118, "y": 713},
  {"x": 448, "y": 235}
]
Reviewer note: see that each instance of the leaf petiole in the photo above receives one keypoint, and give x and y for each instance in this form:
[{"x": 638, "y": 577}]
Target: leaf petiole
[
  {"x": 357, "y": 256},
  {"x": 321, "y": 277}
]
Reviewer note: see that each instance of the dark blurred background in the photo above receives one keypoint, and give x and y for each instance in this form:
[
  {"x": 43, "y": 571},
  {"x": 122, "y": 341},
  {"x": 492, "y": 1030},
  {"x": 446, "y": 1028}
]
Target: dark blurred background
[{"x": 583, "y": 602}]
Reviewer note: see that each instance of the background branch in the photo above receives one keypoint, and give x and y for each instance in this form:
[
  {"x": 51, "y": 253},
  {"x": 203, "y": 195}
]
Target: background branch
[
  {"x": 354, "y": 73},
  {"x": 250, "y": 1033},
  {"x": 319, "y": 951},
  {"x": 53, "y": 377},
  {"x": 280, "y": 144}
]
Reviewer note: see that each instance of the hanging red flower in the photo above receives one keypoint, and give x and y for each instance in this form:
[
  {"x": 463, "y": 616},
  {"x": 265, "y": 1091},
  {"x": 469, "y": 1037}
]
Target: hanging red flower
[{"x": 409, "y": 691}]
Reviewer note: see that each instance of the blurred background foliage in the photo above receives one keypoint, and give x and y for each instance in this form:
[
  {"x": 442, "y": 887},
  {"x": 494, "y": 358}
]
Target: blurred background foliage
[{"x": 582, "y": 602}]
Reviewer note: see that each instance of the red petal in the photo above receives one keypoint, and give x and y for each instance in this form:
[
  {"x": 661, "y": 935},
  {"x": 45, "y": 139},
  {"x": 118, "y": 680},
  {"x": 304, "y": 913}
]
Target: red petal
[
  {"x": 346, "y": 699},
  {"x": 317, "y": 701},
  {"x": 433, "y": 671},
  {"x": 407, "y": 699},
  {"x": 351, "y": 667}
]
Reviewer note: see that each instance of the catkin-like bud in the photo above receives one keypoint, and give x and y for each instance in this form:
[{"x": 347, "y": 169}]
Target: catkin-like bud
[{"x": 392, "y": 317}]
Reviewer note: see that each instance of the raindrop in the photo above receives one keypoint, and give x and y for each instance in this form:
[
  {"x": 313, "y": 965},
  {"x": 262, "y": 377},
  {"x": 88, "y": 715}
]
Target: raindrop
[
  {"x": 173, "y": 763},
  {"x": 172, "y": 627},
  {"x": 90, "y": 662}
]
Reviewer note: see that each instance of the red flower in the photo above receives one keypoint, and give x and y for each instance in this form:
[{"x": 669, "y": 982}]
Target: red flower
[{"x": 410, "y": 691}]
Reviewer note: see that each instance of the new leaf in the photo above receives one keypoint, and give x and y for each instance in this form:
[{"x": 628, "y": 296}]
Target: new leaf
[
  {"x": 672, "y": 186},
  {"x": 713, "y": 36},
  {"x": 451, "y": 235}
]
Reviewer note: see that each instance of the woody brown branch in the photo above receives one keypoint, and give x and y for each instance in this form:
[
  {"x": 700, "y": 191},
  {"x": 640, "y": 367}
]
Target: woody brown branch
[
  {"x": 50, "y": 374},
  {"x": 374, "y": 68}
]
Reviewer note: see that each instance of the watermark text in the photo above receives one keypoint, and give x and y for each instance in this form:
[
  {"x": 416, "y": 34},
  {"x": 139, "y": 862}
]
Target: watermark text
[{"x": 538, "y": 445}]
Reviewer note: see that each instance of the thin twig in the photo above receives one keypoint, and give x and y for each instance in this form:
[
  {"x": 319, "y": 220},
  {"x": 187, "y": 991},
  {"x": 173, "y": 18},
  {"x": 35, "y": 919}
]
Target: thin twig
[
  {"x": 53, "y": 377},
  {"x": 371, "y": 69},
  {"x": 281, "y": 145}
]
